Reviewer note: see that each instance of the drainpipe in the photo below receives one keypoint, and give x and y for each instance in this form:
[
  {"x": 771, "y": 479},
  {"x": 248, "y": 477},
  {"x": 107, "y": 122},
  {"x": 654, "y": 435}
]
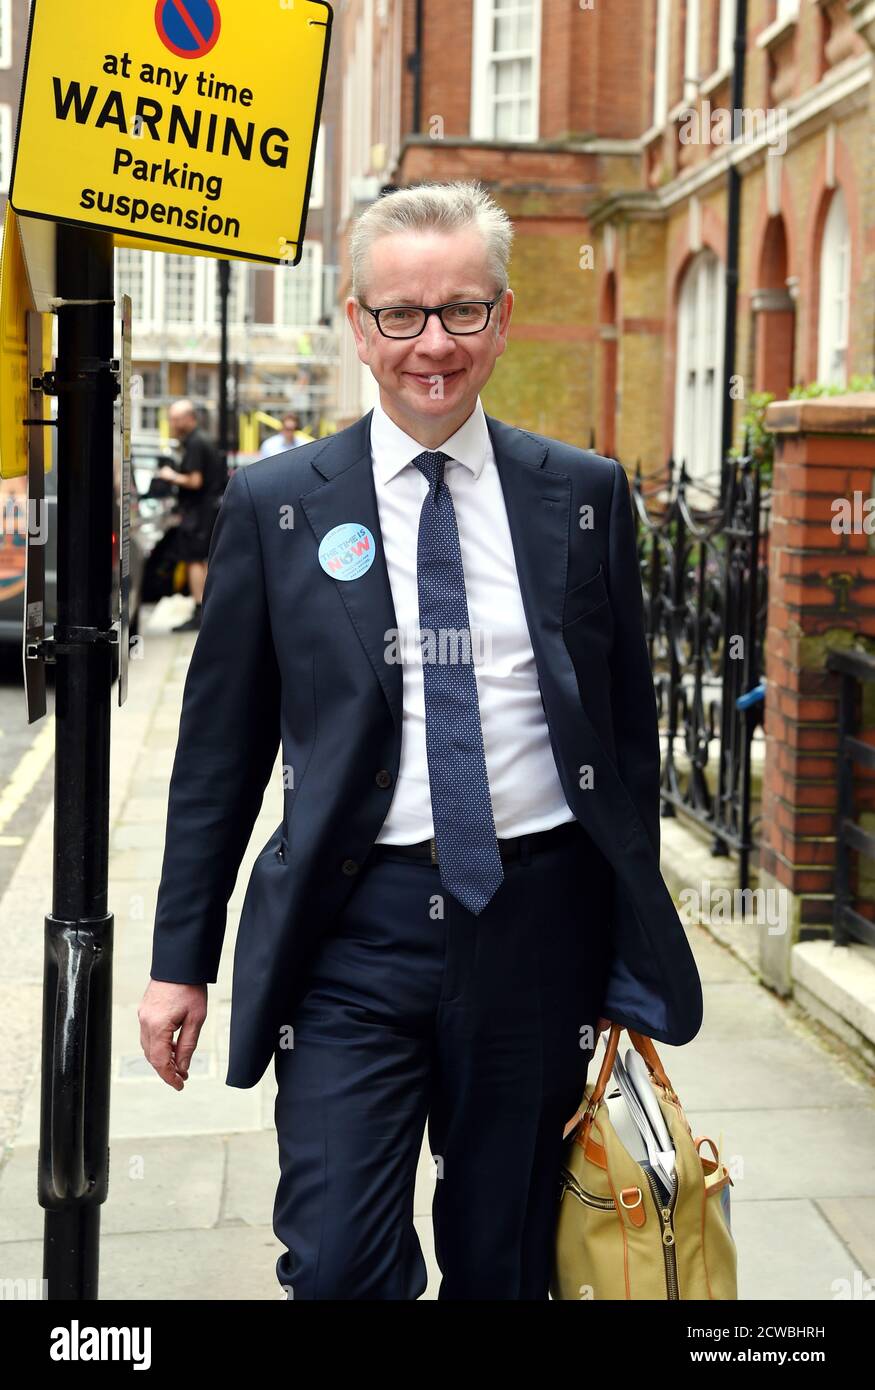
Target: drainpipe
[
  {"x": 414, "y": 65},
  {"x": 733, "y": 227}
]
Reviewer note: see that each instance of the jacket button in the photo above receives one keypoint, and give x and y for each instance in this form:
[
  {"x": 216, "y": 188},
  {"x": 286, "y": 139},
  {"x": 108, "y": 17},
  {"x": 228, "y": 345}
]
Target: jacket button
[
  {"x": 349, "y": 867},
  {"x": 384, "y": 778}
]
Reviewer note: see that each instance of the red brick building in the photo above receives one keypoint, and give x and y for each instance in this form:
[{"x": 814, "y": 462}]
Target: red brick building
[{"x": 601, "y": 129}]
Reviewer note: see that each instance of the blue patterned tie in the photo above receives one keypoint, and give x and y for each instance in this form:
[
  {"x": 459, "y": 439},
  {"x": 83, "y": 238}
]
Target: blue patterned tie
[{"x": 464, "y": 828}]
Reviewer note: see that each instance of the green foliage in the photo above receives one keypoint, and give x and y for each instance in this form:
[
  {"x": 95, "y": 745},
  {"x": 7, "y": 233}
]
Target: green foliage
[
  {"x": 816, "y": 388},
  {"x": 762, "y": 441}
]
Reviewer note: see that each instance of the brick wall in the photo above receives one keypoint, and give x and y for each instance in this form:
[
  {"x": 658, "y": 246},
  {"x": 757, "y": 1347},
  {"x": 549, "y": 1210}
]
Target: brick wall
[{"x": 821, "y": 597}]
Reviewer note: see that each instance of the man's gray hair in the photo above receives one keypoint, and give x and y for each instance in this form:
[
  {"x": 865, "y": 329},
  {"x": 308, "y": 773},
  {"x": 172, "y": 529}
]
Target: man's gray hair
[{"x": 443, "y": 207}]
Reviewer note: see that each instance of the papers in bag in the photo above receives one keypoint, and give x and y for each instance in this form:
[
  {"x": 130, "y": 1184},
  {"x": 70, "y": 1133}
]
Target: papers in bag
[{"x": 638, "y": 1120}]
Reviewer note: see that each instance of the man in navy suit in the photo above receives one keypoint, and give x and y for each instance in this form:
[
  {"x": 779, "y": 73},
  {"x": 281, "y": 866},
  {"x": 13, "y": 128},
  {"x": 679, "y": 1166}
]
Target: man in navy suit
[{"x": 438, "y": 618}]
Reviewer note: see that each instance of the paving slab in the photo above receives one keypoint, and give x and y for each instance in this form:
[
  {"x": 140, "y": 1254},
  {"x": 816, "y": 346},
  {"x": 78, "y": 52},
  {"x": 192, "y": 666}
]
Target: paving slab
[{"x": 193, "y": 1174}]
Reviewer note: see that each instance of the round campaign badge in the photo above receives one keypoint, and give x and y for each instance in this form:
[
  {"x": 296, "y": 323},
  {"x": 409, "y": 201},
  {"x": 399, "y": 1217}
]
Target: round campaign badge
[{"x": 347, "y": 552}]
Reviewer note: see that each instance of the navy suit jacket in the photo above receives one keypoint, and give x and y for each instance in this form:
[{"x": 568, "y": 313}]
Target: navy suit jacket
[{"x": 286, "y": 652}]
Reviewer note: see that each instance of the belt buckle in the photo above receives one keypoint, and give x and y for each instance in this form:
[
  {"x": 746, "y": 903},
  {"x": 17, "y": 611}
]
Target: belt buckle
[{"x": 432, "y": 846}]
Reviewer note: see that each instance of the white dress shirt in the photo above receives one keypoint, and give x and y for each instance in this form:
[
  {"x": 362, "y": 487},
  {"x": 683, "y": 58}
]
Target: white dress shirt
[{"x": 524, "y": 785}]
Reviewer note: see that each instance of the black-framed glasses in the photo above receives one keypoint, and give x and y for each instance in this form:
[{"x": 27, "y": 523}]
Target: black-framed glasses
[{"x": 408, "y": 320}]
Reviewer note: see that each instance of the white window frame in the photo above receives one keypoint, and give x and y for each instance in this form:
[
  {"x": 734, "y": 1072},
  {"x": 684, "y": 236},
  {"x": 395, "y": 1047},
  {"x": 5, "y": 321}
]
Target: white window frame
[
  {"x": 5, "y": 33},
  {"x": 728, "y": 9},
  {"x": 698, "y": 414},
  {"x": 146, "y": 322},
  {"x": 279, "y": 317},
  {"x": 139, "y": 404},
  {"x": 5, "y": 146},
  {"x": 834, "y": 300},
  {"x": 204, "y": 312},
  {"x": 482, "y": 111},
  {"x": 692, "y": 39}
]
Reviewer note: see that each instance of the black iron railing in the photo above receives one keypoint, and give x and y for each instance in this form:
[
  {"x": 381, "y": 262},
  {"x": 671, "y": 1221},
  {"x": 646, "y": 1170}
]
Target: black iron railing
[
  {"x": 704, "y": 566},
  {"x": 855, "y": 669}
]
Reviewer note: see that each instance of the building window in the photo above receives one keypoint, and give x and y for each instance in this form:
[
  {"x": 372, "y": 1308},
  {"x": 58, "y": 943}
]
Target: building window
[
  {"x": 130, "y": 277},
  {"x": 298, "y": 289},
  {"x": 179, "y": 289},
  {"x": 151, "y": 381},
  {"x": 135, "y": 272},
  {"x": 698, "y": 394},
  {"x": 5, "y": 33},
  {"x": 691, "y": 51},
  {"x": 506, "y": 69},
  {"x": 835, "y": 285},
  {"x": 725, "y": 51},
  {"x": 205, "y": 383},
  {"x": 5, "y": 145},
  {"x": 147, "y": 400}
]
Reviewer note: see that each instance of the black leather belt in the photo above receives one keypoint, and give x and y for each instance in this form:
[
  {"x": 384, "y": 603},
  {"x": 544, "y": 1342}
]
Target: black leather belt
[{"x": 508, "y": 849}]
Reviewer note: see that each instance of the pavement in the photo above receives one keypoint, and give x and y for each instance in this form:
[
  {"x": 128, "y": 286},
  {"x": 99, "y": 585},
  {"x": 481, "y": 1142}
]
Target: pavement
[{"x": 193, "y": 1173}]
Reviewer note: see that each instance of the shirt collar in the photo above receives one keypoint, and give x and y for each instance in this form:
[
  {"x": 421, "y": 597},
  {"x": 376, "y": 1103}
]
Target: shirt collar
[{"x": 392, "y": 449}]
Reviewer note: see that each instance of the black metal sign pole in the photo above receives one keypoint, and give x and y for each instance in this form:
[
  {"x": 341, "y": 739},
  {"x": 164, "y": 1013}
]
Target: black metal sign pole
[
  {"x": 733, "y": 221},
  {"x": 74, "y": 1124}
]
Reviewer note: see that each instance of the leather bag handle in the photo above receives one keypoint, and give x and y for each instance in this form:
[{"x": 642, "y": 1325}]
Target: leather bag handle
[{"x": 642, "y": 1045}]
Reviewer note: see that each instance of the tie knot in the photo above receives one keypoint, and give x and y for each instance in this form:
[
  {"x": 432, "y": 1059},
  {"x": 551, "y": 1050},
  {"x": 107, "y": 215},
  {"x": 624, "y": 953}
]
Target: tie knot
[{"x": 431, "y": 465}]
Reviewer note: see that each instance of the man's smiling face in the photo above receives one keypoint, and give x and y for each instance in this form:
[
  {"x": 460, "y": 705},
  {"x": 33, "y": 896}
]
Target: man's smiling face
[{"x": 429, "y": 384}]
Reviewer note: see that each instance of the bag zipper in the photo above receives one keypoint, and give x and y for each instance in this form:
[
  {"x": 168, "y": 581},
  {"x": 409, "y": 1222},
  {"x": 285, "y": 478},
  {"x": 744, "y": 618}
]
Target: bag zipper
[
  {"x": 567, "y": 1180},
  {"x": 668, "y": 1239}
]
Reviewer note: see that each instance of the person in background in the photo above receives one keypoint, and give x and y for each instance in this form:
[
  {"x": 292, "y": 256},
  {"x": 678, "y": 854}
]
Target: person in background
[
  {"x": 286, "y": 439},
  {"x": 201, "y": 477}
]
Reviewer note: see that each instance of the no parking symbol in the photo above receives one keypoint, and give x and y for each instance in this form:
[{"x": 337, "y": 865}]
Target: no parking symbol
[{"x": 189, "y": 28}]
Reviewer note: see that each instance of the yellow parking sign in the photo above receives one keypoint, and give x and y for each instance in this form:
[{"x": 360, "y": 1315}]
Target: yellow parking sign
[
  {"x": 184, "y": 123},
  {"x": 16, "y": 301}
]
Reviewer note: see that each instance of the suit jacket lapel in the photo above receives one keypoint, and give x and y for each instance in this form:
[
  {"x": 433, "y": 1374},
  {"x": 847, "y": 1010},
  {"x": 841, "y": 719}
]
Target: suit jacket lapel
[{"x": 348, "y": 494}]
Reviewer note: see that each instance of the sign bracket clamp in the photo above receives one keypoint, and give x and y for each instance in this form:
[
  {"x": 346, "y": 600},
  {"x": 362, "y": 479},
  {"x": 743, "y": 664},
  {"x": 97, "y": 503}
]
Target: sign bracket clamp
[
  {"x": 51, "y": 384},
  {"x": 68, "y": 640}
]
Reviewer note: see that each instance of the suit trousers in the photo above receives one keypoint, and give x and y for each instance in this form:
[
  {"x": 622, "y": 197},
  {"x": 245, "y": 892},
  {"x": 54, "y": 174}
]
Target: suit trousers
[{"x": 415, "y": 1009}]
